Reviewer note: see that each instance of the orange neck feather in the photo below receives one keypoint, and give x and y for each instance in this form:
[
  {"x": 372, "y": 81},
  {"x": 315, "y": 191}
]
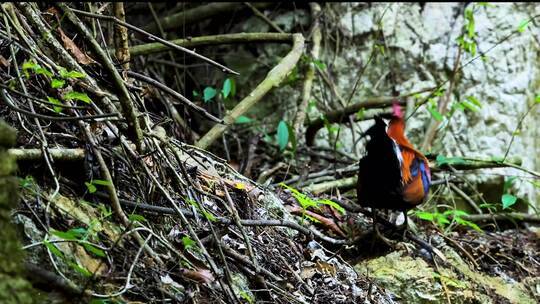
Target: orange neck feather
[{"x": 396, "y": 131}]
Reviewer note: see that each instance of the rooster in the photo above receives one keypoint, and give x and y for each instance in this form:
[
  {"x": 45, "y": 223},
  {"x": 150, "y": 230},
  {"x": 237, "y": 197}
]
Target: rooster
[{"x": 393, "y": 175}]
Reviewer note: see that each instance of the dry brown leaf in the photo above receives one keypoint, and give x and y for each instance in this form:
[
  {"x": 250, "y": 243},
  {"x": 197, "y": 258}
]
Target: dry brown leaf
[
  {"x": 320, "y": 267},
  {"x": 326, "y": 222},
  {"x": 81, "y": 57},
  {"x": 199, "y": 275},
  {"x": 326, "y": 268},
  {"x": 4, "y": 61}
]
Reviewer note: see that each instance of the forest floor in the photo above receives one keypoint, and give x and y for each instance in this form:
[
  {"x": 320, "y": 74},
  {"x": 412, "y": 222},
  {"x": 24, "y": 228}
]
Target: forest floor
[{"x": 119, "y": 203}]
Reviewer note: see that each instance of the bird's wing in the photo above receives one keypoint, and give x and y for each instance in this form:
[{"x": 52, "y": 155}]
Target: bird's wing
[{"x": 417, "y": 188}]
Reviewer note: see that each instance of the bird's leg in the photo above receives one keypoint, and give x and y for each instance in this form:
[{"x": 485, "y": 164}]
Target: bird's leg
[
  {"x": 378, "y": 233},
  {"x": 405, "y": 225}
]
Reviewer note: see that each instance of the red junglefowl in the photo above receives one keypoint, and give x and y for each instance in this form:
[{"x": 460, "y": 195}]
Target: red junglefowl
[{"x": 393, "y": 175}]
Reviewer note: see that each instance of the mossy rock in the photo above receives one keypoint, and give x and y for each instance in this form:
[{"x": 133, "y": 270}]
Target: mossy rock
[{"x": 412, "y": 280}]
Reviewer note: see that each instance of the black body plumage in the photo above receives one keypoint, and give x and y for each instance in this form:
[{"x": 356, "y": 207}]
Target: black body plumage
[{"x": 380, "y": 183}]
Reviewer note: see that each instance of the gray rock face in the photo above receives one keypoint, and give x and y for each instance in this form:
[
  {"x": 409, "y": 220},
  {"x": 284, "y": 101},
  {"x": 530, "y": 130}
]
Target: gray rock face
[{"x": 421, "y": 50}]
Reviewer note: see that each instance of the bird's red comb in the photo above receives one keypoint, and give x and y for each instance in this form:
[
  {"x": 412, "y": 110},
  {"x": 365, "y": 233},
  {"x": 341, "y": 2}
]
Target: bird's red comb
[{"x": 396, "y": 109}]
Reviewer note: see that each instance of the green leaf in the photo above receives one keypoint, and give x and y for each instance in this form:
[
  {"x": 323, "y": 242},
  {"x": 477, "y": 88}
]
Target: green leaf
[
  {"x": 360, "y": 114},
  {"x": 469, "y": 105},
  {"x": 319, "y": 64},
  {"x": 311, "y": 218},
  {"x": 302, "y": 199},
  {"x": 469, "y": 14},
  {"x": 229, "y": 88},
  {"x": 508, "y": 182},
  {"x": 209, "y": 216},
  {"x": 71, "y": 74},
  {"x": 136, "y": 218},
  {"x": 44, "y": 71},
  {"x": 195, "y": 93},
  {"x": 93, "y": 249},
  {"x": 474, "y": 101},
  {"x": 209, "y": 93},
  {"x": 54, "y": 250},
  {"x": 537, "y": 99},
  {"x": 427, "y": 216},
  {"x": 100, "y": 182},
  {"x": 442, "y": 160},
  {"x": 247, "y": 296},
  {"x": 57, "y": 109},
  {"x": 441, "y": 219},
  {"x": 438, "y": 93},
  {"x": 26, "y": 182},
  {"x": 436, "y": 114},
  {"x": 243, "y": 119},
  {"x": 472, "y": 225},
  {"x": 508, "y": 200},
  {"x": 312, "y": 104},
  {"x": 91, "y": 187},
  {"x": 67, "y": 235},
  {"x": 73, "y": 95},
  {"x": 522, "y": 26},
  {"x": 282, "y": 135},
  {"x": 57, "y": 83},
  {"x": 292, "y": 138},
  {"x": 472, "y": 48},
  {"x": 470, "y": 28},
  {"x": 30, "y": 65},
  {"x": 80, "y": 269},
  {"x": 188, "y": 242},
  {"x": 333, "y": 205}
]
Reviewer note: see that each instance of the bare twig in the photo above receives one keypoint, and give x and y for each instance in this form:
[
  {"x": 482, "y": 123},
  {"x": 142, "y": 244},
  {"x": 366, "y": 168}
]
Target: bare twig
[
  {"x": 442, "y": 107},
  {"x": 260, "y": 14},
  {"x": 466, "y": 198},
  {"x": 121, "y": 36},
  {"x": 175, "y": 94},
  {"x": 155, "y": 38},
  {"x": 128, "y": 108},
  {"x": 310, "y": 73}
]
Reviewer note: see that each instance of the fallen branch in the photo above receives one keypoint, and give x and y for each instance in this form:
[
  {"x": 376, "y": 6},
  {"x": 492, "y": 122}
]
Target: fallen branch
[
  {"x": 152, "y": 48},
  {"x": 227, "y": 221},
  {"x": 510, "y": 216},
  {"x": 200, "y": 13},
  {"x": 273, "y": 79},
  {"x": 62, "y": 154},
  {"x": 341, "y": 115},
  {"x": 344, "y": 183}
]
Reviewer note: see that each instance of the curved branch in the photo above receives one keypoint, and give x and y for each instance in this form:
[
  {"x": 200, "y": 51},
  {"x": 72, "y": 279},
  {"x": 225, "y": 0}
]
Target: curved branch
[
  {"x": 341, "y": 115},
  {"x": 273, "y": 79}
]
